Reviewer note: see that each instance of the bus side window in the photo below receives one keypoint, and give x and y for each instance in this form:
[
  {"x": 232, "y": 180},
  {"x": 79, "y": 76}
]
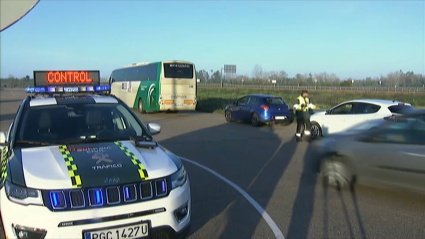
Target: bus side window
[
  {"x": 152, "y": 72},
  {"x": 141, "y": 73},
  {"x": 134, "y": 73},
  {"x": 118, "y": 75}
]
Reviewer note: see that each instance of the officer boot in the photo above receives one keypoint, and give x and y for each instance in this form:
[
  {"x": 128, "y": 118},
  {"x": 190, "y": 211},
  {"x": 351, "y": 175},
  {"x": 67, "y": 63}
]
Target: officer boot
[{"x": 298, "y": 137}]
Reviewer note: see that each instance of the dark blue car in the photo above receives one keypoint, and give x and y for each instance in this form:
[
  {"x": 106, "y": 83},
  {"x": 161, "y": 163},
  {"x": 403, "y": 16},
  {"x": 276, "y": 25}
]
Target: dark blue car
[{"x": 260, "y": 109}]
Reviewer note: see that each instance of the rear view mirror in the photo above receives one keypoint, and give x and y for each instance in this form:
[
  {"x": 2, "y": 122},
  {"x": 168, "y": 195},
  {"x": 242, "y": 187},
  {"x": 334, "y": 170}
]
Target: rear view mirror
[
  {"x": 154, "y": 128},
  {"x": 327, "y": 112},
  {"x": 234, "y": 102},
  {"x": 3, "y": 138}
]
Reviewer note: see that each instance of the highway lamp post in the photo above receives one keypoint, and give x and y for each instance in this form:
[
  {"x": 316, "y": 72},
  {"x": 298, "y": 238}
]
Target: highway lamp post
[{"x": 221, "y": 77}]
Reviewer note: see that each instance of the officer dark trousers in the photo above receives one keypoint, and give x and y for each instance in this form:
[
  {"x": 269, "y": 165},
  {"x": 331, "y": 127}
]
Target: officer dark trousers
[{"x": 303, "y": 119}]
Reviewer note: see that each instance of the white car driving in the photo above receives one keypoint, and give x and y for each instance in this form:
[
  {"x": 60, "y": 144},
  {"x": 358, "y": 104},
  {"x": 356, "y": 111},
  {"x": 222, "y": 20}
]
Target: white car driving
[{"x": 349, "y": 113}]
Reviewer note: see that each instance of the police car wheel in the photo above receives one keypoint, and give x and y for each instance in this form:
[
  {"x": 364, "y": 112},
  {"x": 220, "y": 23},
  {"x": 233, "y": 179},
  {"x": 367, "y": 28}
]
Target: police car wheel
[{"x": 335, "y": 173}]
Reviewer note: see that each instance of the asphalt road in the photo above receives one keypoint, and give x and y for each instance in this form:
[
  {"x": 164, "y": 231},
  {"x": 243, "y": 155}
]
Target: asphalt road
[{"x": 276, "y": 172}]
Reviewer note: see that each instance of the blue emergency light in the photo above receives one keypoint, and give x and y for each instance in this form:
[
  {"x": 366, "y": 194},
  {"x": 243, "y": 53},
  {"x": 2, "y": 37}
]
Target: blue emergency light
[{"x": 67, "y": 89}]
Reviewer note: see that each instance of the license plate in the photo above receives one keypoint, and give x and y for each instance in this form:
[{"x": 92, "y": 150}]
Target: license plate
[
  {"x": 280, "y": 117},
  {"x": 124, "y": 232}
]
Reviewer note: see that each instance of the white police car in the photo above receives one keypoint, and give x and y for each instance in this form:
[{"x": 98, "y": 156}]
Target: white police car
[{"x": 83, "y": 165}]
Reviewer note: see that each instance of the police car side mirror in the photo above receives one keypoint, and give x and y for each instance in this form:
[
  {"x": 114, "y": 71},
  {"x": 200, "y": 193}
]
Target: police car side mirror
[
  {"x": 3, "y": 139},
  {"x": 154, "y": 128}
]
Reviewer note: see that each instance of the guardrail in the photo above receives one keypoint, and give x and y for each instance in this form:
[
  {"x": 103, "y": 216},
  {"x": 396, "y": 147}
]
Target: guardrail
[{"x": 292, "y": 87}]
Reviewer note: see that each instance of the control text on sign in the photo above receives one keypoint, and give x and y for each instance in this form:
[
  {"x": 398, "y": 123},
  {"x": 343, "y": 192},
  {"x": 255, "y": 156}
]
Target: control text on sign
[{"x": 68, "y": 77}]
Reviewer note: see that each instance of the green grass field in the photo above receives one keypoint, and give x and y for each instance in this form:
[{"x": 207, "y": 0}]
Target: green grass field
[{"x": 215, "y": 99}]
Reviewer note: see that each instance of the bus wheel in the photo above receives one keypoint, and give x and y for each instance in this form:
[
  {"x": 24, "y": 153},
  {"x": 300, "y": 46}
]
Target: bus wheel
[{"x": 141, "y": 106}]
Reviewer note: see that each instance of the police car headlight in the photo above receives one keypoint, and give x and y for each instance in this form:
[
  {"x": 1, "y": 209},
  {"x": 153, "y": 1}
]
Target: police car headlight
[
  {"x": 179, "y": 178},
  {"x": 24, "y": 196}
]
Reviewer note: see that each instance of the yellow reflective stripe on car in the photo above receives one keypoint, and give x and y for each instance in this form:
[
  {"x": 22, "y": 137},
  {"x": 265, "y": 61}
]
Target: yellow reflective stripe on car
[
  {"x": 142, "y": 170},
  {"x": 3, "y": 165},
  {"x": 72, "y": 168}
]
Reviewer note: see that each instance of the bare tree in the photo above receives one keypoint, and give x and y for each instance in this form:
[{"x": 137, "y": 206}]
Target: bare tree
[
  {"x": 326, "y": 78},
  {"x": 282, "y": 75},
  {"x": 394, "y": 78},
  {"x": 258, "y": 72}
]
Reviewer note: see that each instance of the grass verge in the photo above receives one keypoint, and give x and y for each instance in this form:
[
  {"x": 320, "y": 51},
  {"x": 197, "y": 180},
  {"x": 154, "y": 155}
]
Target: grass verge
[{"x": 214, "y": 100}]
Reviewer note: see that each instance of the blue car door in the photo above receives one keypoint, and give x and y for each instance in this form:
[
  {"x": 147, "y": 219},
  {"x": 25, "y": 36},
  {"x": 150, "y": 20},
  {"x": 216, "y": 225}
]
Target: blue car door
[
  {"x": 238, "y": 110},
  {"x": 248, "y": 108}
]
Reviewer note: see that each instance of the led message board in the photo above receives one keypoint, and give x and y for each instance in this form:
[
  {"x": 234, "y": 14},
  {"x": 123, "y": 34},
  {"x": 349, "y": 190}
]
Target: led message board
[{"x": 66, "y": 78}]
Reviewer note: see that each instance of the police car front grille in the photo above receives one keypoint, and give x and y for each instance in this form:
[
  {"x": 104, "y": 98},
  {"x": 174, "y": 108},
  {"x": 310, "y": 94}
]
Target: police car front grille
[
  {"x": 113, "y": 195},
  {"x": 77, "y": 198},
  {"x": 85, "y": 198}
]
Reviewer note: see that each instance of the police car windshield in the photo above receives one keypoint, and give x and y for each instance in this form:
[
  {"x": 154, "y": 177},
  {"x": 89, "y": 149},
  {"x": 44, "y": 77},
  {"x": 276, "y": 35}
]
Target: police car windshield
[{"x": 75, "y": 122}]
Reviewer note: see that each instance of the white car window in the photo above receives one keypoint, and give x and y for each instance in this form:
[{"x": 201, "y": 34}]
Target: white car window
[
  {"x": 343, "y": 109},
  {"x": 365, "y": 108}
]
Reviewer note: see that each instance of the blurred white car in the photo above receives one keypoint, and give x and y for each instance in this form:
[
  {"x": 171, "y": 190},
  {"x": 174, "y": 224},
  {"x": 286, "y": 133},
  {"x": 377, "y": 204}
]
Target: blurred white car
[{"x": 349, "y": 113}]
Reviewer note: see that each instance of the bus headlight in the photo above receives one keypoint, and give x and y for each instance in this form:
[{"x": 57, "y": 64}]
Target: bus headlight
[
  {"x": 24, "y": 196},
  {"x": 179, "y": 178}
]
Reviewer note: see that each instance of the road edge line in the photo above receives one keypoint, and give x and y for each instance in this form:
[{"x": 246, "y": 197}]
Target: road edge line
[{"x": 273, "y": 226}]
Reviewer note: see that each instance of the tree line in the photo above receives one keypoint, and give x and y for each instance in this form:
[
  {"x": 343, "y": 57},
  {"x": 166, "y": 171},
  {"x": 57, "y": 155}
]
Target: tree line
[{"x": 260, "y": 76}]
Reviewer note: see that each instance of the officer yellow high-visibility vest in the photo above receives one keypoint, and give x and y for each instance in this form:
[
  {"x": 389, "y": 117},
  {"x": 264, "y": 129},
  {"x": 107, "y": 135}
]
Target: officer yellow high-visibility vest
[{"x": 306, "y": 102}]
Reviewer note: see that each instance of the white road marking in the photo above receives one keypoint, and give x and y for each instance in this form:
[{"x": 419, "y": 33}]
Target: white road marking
[
  {"x": 413, "y": 154},
  {"x": 278, "y": 234}
]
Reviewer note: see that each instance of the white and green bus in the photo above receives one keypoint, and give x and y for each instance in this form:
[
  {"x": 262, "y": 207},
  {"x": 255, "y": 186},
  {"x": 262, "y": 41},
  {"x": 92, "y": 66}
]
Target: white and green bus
[{"x": 156, "y": 86}]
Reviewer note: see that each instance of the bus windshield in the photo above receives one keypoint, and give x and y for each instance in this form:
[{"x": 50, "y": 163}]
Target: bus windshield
[{"x": 178, "y": 70}]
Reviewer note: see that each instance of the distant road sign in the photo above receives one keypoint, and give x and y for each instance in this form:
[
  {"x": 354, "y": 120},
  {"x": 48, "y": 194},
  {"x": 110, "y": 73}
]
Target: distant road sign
[
  {"x": 11, "y": 11},
  {"x": 230, "y": 69}
]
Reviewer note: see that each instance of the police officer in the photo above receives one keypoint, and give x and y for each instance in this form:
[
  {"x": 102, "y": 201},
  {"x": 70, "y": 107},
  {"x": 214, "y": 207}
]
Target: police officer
[{"x": 302, "y": 109}]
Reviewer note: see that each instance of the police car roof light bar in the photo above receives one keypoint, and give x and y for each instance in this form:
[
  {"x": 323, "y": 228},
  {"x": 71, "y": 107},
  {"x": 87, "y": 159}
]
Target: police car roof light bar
[{"x": 68, "y": 89}]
